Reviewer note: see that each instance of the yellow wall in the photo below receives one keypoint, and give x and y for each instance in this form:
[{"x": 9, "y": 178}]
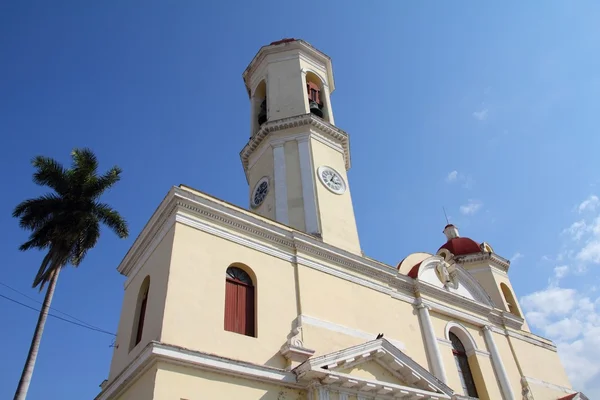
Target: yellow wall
[
  {"x": 336, "y": 211},
  {"x": 540, "y": 363},
  {"x": 157, "y": 267},
  {"x": 332, "y": 299},
  {"x": 174, "y": 382},
  {"x": 142, "y": 388},
  {"x": 194, "y": 315}
]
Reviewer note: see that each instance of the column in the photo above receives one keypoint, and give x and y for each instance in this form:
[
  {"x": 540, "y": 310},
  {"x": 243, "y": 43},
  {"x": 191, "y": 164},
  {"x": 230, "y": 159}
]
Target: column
[
  {"x": 281, "y": 196},
  {"x": 498, "y": 364},
  {"x": 307, "y": 176},
  {"x": 431, "y": 344},
  {"x": 323, "y": 393},
  {"x": 327, "y": 101}
]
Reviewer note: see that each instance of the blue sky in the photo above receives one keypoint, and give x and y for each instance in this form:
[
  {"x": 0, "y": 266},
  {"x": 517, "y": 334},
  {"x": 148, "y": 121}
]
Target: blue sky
[{"x": 487, "y": 110}]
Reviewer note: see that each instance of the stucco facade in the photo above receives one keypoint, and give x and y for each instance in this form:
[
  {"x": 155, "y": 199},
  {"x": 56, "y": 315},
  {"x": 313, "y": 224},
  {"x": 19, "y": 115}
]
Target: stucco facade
[{"x": 327, "y": 322}]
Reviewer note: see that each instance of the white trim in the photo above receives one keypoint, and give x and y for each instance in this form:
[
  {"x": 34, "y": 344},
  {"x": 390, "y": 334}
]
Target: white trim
[
  {"x": 463, "y": 334},
  {"x": 196, "y": 359},
  {"x": 280, "y": 182},
  {"x": 454, "y": 313},
  {"x": 498, "y": 365},
  {"x": 431, "y": 346},
  {"x": 313, "y": 124},
  {"x": 323, "y": 393},
  {"x": 383, "y": 353},
  {"x": 528, "y": 339},
  {"x": 204, "y": 227},
  {"x": 311, "y": 218},
  {"x": 168, "y": 224},
  {"x": 331, "y": 326},
  {"x": 548, "y": 385}
]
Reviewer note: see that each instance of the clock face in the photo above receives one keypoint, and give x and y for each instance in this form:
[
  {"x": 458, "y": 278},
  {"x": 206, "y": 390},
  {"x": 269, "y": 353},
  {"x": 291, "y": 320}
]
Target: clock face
[
  {"x": 331, "y": 179},
  {"x": 260, "y": 192}
]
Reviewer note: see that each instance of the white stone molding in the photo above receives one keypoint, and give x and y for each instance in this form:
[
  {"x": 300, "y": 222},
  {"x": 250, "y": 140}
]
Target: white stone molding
[
  {"x": 327, "y": 130},
  {"x": 498, "y": 365},
  {"x": 433, "y": 351},
  {"x": 163, "y": 352},
  {"x": 539, "y": 382},
  {"x": 494, "y": 260},
  {"x": 307, "y": 177},
  {"x": 334, "y": 327},
  {"x": 327, "y": 369},
  {"x": 280, "y": 181},
  {"x": 463, "y": 334},
  {"x": 323, "y": 393},
  {"x": 466, "y": 285}
]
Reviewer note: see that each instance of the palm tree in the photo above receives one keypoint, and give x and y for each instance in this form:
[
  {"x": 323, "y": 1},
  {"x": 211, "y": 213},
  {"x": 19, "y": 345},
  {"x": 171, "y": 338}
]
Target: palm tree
[{"x": 65, "y": 224}]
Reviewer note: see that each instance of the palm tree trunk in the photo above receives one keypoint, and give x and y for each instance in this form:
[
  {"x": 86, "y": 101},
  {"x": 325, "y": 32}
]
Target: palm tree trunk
[{"x": 23, "y": 387}]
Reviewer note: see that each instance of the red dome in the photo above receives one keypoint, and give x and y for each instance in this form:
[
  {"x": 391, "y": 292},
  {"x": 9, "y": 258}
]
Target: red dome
[{"x": 460, "y": 246}]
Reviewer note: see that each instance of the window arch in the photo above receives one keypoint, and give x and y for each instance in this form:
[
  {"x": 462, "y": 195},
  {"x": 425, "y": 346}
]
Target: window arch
[
  {"x": 140, "y": 313},
  {"x": 240, "y": 301},
  {"x": 511, "y": 303},
  {"x": 462, "y": 364}
]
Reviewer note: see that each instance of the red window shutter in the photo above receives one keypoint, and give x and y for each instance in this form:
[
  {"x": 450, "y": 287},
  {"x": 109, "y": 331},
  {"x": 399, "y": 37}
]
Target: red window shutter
[
  {"x": 231, "y": 300},
  {"x": 239, "y": 308}
]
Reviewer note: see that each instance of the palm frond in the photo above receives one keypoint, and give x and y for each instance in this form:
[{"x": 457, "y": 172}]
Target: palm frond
[
  {"x": 85, "y": 242},
  {"x": 33, "y": 213},
  {"x": 111, "y": 218},
  {"x": 51, "y": 173},
  {"x": 84, "y": 162},
  {"x": 98, "y": 185}
]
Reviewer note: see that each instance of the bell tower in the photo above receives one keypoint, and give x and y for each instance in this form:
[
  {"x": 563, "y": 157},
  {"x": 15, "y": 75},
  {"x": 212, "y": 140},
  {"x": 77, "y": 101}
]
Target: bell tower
[{"x": 296, "y": 158}]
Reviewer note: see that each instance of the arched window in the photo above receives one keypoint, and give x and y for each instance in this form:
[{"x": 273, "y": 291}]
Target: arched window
[
  {"x": 239, "y": 302},
  {"x": 510, "y": 300},
  {"x": 140, "y": 313},
  {"x": 313, "y": 92},
  {"x": 462, "y": 364}
]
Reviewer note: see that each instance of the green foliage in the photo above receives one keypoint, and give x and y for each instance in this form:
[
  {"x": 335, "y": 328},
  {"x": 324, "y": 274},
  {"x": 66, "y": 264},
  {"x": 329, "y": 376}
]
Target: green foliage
[{"x": 66, "y": 222}]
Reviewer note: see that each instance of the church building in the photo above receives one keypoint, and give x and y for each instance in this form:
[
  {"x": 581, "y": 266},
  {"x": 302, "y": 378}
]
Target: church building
[{"x": 277, "y": 301}]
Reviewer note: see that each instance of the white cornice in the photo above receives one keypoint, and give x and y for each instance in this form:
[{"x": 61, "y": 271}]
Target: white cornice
[
  {"x": 330, "y": 135},
  {"x": 163, "y": 352},
  {"x": 494, "y": 259}
]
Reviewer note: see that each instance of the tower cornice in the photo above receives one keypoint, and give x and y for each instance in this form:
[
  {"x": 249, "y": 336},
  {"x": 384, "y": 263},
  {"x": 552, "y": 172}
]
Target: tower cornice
[{"x": 329, "y": 131}]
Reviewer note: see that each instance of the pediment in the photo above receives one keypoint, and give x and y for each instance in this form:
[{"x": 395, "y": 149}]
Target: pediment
[
  {"x": 374, "y": 368},
  {"x": 465, "y": 285}
]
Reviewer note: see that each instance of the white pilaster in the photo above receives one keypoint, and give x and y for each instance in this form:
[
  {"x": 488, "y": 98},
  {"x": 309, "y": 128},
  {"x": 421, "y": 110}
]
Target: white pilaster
[
  {"x": 343, "y": 396},
  {"x": 431, "y": 344},
  {"x": 498, "y": 364},
  {"x": 327, "y": 101},
  {"x": 323, "y": 393},
  {"x": 307, "y": 177},
  {"x": 280, "y": 182}
]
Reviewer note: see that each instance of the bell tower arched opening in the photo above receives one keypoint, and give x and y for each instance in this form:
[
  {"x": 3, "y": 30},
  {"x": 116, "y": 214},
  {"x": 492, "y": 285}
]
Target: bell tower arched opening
[
  {"x": 258, "y": 107},
  {"x": 315, "y": 91}
]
